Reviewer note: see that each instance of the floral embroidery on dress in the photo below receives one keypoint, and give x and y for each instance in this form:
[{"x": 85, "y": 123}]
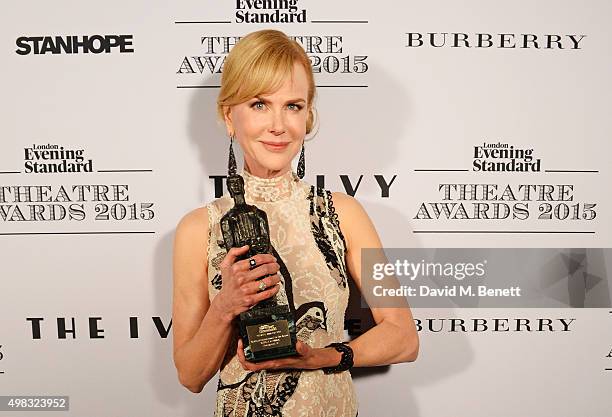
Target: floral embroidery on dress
[
  {"x": 334, "y": 216},
  {"x": 326, "y": 231},
  {"x": 217, "y": 282},
  {"x": 216, "y": 261},
  {"x": 256, "y": 399},
  {"x": 268, "y": 189}
]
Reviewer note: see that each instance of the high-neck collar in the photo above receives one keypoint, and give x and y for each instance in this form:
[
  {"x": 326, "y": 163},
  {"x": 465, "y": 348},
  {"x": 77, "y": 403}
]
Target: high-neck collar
[{"x": 269, "y": 189}]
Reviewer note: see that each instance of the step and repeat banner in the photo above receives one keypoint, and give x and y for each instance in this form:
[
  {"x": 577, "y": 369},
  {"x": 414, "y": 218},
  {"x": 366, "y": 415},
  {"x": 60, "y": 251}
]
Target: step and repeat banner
[{"x": 476, "y": 135}]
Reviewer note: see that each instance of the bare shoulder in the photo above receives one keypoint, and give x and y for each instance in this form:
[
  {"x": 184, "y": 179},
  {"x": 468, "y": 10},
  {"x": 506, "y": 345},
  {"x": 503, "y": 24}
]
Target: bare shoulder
[
  {"x": 356, "y": 225},
  {"x": 191, "y": 240},
  {"x": 341, "y": 197},
  {"x": 346, "y": 206},
  {"x": 194, "y": 223}
]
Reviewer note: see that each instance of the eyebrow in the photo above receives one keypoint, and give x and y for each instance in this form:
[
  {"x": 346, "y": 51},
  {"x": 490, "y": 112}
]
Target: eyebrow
[{"x": 293, "y": 100}]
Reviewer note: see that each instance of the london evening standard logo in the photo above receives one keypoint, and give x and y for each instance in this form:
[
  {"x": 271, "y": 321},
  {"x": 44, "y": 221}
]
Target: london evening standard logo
[
  {"x": 503, "y": 157},
  {"x": 493, "y": 40},
  {"x": 52, "y": 158},
  {"x": 506, "y": 200},
  {"x": 75, "y": 44},
  {"x": 58, "y": 202},
  {"x": 269, "y": 11}
]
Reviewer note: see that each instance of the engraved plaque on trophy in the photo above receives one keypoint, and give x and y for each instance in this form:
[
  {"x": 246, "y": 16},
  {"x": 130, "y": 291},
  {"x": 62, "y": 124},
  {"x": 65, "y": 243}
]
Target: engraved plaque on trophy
[{"x": 268, "y": 328}]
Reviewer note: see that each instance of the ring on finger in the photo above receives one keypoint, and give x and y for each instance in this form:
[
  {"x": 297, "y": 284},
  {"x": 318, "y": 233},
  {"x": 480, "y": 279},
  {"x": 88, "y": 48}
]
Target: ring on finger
[
  {"x": 252, "y": 263},
  {"x": 262, "y": 285}
]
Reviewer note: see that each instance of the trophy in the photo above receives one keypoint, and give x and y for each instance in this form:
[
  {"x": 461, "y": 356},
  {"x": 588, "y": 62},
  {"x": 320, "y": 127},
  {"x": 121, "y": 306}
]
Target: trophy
[{"x": 268, "y": 328}]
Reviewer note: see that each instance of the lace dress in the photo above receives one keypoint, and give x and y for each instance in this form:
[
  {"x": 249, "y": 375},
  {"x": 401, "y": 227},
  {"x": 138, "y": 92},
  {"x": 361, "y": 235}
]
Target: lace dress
[{"x": 310, "y": 248}]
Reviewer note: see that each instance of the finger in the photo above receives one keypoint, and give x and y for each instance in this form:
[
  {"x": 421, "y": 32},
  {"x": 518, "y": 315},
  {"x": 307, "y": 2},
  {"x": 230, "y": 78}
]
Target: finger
[
  {"x": 267, "y": 293},
  {"x": 241, "y": 349},
  {"x": 262, "y": 271},
  {"x": 252, "y": 287},
  {"x": 284, "y": 363},
  {"x": 232, "y": 254},
  {"x": 260, "y": 259},
  {"x": 269, "y": 364},
  {"x": 247, "y": 365},
  {"x": 240, "y": 353},
  {"x": 302, "y": 348}
]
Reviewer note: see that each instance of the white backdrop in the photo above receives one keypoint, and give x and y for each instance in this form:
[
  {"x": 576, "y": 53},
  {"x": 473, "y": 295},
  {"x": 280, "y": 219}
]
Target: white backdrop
[{"x": 390, "y": 108}]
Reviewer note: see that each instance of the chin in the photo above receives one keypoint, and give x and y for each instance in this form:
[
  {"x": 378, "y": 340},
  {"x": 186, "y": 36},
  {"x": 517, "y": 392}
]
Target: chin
[
  {"x": 277, "y": 165},
  {"x": 274, "y": 162}
]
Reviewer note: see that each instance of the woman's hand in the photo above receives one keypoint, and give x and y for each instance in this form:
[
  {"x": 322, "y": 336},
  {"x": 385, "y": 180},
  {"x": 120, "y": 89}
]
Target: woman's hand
[
  {"x": 240, "y": 289},
  {"x": 308, "y": 358}
]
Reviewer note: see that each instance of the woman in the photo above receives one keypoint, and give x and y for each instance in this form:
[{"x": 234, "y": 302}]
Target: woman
[{"x": 266, "y": 101}]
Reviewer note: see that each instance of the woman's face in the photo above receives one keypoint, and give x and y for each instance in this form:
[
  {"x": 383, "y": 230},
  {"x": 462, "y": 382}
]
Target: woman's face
[{"x": 271, "y": 128}]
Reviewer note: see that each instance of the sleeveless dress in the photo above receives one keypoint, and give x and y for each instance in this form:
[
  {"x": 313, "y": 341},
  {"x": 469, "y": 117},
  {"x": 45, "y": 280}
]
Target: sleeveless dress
[{"x": 310, "y": 248}]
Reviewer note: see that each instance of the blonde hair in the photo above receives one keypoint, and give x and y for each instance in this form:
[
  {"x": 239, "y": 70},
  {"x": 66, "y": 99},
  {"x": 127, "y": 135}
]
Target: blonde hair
[{"x": 258, "y": 64}]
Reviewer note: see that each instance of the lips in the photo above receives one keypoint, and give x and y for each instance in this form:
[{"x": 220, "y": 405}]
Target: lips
[{"x": 275, "y": 146}]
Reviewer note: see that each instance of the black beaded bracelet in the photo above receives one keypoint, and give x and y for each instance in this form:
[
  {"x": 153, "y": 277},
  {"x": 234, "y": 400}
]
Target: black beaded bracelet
[{"x": 346, "y": 362}]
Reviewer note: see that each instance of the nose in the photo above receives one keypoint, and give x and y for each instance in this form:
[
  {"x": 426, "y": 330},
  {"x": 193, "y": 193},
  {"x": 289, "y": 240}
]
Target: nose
[{"x": 277, "y": 126}]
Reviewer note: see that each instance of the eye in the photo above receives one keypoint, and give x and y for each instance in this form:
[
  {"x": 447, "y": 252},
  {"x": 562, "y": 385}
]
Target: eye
[
  {"x": 296, "y": 107},
  {"x": 257, "y": 106}
]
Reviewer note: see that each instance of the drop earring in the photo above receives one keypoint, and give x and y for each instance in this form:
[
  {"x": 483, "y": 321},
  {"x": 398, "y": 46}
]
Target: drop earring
[
  {"x": 231, "y": 163},
  {"x": 301, "y": 166}
]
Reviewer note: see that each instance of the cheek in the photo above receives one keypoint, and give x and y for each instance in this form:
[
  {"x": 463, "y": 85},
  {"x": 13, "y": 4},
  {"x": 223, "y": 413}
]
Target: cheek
[
  {"x": 250, "y": 124},
  {"x": 298, "y": 122}
]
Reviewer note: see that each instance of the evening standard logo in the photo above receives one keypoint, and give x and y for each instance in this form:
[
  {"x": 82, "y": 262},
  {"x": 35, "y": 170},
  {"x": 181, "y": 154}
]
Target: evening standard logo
[
  {"x": 493, "y": 40},
  {"x": 269, "y": 11},
  {"x": 75, "y": 44},
  {"x": 54, "y": 159},
  {"x": 503, "y": 157},
  {"x": 327, "y": 52}
]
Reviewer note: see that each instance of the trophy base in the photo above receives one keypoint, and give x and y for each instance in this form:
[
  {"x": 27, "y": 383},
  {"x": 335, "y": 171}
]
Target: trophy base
[{"x": 268, "y": 333}]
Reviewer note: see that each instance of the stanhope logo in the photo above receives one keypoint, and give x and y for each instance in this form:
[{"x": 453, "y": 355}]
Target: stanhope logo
[
  {"x": 86, "y": 44},
  {"x": 269, "y": 11}
]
